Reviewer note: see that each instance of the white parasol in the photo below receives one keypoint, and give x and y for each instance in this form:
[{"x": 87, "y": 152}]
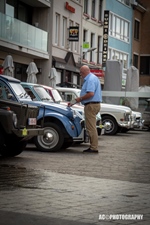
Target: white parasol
[
  {"x": 8, "y": 66},
  {"x": 52, "y": 77},
  {"x": 31, "y": 72}
]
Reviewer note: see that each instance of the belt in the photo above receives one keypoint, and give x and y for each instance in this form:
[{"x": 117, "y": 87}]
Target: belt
[{"x": 87, "y": 103}]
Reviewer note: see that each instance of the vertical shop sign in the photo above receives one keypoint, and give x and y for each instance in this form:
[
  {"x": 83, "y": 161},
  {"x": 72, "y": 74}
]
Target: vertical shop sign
[{"x": 105, "y": 36}]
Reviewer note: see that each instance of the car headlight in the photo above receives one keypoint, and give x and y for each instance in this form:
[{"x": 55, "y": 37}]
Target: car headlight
[
  {"x": 77, "y": 114},
  {"x": 15, "y": 120}
]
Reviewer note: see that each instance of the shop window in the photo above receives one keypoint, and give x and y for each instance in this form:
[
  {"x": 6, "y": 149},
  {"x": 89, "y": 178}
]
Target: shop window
[
  {"x": 135, "y": 60},
  {"x": 136, "y": 29},
  {"x": 145, "y": 65}
]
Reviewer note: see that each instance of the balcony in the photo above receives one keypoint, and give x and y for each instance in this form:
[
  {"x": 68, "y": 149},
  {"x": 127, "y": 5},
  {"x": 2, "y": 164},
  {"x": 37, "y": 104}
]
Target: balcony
[
  {"x": 22, "y": 34},
  {"x": 38, "y": 3}
]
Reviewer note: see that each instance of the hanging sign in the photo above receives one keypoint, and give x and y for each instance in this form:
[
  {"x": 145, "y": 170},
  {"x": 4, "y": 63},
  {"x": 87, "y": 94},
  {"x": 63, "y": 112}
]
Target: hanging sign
[
  {"x": 73, "y": 33},
  {"x": 85, "y": 46}
]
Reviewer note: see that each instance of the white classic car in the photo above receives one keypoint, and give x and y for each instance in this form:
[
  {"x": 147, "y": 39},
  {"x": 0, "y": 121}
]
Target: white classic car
[{"x": 115, "y": 118}]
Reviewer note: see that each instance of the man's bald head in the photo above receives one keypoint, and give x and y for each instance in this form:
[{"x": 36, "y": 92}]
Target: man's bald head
[{"x": 84, "y": 71}]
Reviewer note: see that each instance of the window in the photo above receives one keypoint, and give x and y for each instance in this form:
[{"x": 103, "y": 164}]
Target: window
[
  {"x": 76, "y": 42},
  {"x": 19, "y": 10},
  {"x": 120, "y": 56},
  {"x": 92, "y": 46},
  {"x": 100, "y": 10},
  {"x": 79, "y": 1},
  {"x": 119, "y": 28},
  {"x": 57, "y": 29},
  {"x": 126, "y": 2},
  {"x": 136, "y": 29},
  {"x": 71, "y": 42},
  {"x": 135, "y": 60},
  {"x": 64, "y": 32},
  {"x": 145, "y": 65},
  {"x": 93, "y": 9},
  {"x": 85, "y": 33},
  {"x": 86, "y": 6}
]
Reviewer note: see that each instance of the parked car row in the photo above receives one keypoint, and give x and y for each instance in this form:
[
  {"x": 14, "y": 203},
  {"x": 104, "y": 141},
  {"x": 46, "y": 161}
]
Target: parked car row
[
  {"x": 115, "y": 118},
  {"x": 62, "y": 126},
  {"x": 41, "y": 113}
]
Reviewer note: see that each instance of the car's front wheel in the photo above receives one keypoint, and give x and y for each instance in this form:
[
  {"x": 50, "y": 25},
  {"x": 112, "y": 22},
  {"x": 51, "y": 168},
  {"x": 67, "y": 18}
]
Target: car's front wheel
[
  {"x": 110, "y": 125},
  {"x": 51, "y": 140}
]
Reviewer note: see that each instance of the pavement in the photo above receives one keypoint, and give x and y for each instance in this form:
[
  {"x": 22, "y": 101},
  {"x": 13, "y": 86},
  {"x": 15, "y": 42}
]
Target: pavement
[{"x": 45, "y": 196}]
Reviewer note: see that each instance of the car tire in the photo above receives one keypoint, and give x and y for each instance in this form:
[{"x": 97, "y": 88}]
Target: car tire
[
  {"x": 110, "y": 124},
  {"x": 123, "y": 130},
  {"x": 11, "y": 145},
  {"x": 52, "y": 140},
  {"x": 67, "y": 145}
]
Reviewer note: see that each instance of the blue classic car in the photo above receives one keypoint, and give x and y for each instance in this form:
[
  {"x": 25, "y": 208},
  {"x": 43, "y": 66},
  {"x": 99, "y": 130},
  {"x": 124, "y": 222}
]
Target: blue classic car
[
  {"x": 63, "y": 126},
  {"x": 41, "y": 93}
]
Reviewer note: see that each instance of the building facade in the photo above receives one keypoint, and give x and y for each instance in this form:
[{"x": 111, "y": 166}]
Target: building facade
[
  {"x": 141, "y": 40},
  {"x": 24, "y": 33},
  {"x": 67, "y": 34}
]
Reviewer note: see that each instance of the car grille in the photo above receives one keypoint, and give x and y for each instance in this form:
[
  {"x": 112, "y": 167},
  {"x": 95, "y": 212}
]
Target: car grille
[{"x": 128, "y": 117}]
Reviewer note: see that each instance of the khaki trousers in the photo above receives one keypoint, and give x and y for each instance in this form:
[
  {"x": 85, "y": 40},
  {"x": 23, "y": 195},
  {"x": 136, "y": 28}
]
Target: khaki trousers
[{"x": 90, "y": 112}]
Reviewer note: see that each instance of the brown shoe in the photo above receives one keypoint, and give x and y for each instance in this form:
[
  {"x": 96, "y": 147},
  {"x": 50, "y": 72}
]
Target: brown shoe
[{"x": 90, "y": 151}]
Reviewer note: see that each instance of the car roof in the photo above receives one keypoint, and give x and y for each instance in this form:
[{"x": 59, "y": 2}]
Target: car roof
[
  {"x": 68, "y": 89},
  {"x": 31, "y": 84},
  {"x": 9, "y": 78},
  {"x": 47, "y": 87}
]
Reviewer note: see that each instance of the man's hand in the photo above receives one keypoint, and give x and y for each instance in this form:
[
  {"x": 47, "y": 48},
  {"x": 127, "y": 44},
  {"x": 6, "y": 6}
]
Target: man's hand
[
  {"x": 72, "y": 102},
  {"x": 69, "y": 104},
  {"x": 78, "y": 100}
]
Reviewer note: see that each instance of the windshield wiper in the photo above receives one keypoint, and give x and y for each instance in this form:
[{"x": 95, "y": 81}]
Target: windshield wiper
[
  {"x": 21, "y": 95},
  {"x": 46, "y": 99}
]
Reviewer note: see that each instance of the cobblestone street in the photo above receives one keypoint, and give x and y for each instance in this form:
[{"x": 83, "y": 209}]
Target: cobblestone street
[{"x": 72, "y": 188}]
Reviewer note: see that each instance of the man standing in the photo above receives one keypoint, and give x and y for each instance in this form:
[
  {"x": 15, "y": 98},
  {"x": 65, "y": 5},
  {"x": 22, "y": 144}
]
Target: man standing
[{"x": 90, "y": 97}]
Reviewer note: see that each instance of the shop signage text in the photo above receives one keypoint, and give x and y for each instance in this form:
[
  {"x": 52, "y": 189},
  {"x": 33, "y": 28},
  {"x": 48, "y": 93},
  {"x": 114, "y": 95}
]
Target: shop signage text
[
  {"x": 98, "y": 73},
  {"x": 105, "y": 36},
  {"x": 70, "y": 8}
]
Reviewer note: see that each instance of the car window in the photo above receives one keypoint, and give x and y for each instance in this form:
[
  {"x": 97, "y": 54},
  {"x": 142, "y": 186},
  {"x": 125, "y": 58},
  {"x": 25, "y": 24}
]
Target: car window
[
  {"x": 5, "y": 93},
  {"x": 56, "y": 95},
  {"x": 30, "y": 93},
  {"x": 68, "y": 96}
]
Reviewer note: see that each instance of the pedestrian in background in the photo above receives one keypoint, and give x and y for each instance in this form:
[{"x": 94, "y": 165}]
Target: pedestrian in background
[{"x": 90, "y": 97}]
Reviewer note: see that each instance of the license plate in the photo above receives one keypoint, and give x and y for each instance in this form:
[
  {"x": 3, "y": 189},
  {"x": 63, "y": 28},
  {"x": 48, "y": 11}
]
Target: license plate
[{"x": 32, "y": 121}]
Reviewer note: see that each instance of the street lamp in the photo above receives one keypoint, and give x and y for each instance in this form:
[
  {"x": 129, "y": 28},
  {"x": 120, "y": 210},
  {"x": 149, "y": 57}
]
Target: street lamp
[{"x": 89, "y": 50}]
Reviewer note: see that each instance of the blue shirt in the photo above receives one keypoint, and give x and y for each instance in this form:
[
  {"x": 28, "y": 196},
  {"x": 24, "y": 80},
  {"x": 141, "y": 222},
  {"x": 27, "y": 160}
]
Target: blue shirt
[{"x": 91, "y": 84}]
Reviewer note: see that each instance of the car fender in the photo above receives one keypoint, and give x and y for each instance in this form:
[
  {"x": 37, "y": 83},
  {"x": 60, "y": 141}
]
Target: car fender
[{"x": 68, "y": 125}]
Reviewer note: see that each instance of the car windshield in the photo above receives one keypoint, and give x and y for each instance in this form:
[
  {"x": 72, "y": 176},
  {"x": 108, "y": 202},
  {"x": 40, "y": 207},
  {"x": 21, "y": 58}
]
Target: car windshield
[
  {"x": 19, "y": 90},
  {"x": 57, "y": 97},
  {"x": 42, "y": 93}
]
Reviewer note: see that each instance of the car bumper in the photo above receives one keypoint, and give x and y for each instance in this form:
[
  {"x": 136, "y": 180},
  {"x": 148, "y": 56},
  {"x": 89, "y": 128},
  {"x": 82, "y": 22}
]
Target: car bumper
[
  {"x": 126, "y": 124},
  {"x": 28, "y": 133}
]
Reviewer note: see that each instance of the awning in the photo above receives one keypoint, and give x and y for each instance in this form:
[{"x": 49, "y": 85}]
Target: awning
[{"x": 97, "y": 72}]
